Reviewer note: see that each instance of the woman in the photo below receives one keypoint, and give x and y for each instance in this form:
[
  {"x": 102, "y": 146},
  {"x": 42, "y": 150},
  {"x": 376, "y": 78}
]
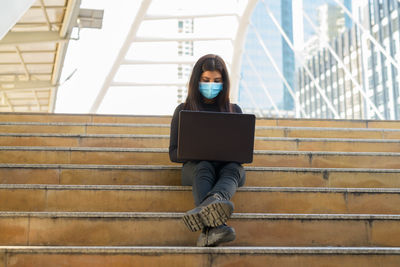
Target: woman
[{"x": 213, "y": 183}]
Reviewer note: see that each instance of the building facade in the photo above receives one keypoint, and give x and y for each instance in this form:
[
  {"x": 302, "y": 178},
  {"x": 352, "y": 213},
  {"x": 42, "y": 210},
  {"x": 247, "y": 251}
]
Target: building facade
[
  {"x": 185, "y": 49},
  {"x": 382, "y": 80},
  {"x": 330, "y": 78},
  {"x": 373, "y": 88},
  {"x": 261, "y": 88}
]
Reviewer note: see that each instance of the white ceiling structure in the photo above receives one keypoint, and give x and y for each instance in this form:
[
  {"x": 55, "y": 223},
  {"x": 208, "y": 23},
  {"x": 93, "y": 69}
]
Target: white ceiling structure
[
  {"x": 32, "y": 55},
  {"x": 219, "y": 27}
]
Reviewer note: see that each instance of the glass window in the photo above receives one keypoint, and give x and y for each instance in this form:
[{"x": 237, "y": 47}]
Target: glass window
[
  {"x": 395, "y": 24},
  {"x": 380, "y": 7},
  {"x": 385, "y": 75},
  {"x": 372, "y": 11},
  {"x": 391, "y": 5},
  {"x": 394, "y": 46},
  {"x": 385, "y": 31}
]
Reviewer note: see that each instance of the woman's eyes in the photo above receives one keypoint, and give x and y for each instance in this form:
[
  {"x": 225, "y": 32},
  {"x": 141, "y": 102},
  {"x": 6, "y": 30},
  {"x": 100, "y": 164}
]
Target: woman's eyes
[{"x": 207, "y": 81}]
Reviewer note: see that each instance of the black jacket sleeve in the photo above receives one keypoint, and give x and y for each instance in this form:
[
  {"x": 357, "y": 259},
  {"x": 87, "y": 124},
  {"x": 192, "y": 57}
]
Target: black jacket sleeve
[
  {"x": 237, "y": 109},
  {"x": 173, "y": 139}
]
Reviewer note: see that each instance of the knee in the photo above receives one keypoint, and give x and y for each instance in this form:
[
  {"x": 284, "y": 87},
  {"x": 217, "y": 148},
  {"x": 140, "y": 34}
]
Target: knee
[{"x": 234, "y": 170}]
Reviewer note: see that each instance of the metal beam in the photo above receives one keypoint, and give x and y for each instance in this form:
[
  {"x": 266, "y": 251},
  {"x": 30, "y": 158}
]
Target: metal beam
[
  {"x": 43, "y": 6},
  {"x": 70, "y": 18},
  {"x": 71, "y": 14},
  {"x": 146, "y": 84},
  {"x": 19, "y": 38},
  {"x": 238, "y": 48},
  {"x": 7, "y": 101},
  {"x": 35, "y": 24},
  {"x": 180, "y": 39},
  {"x": 29, "y": 52},
  {"x": 37, "y": 99},
  {"x": 20, "y": 86},
  {"x": 30, "y": 63},
  {"x": 22, "y": 62},
  {"x": 49, "y": 7},
  {"x": 121, "y": 55},
  {"x": 189, "y": 61},
  {"x": 193, "y": 16}
]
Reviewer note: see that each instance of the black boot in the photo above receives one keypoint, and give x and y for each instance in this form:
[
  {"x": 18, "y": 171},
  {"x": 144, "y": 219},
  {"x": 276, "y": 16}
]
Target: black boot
[
  {"x": 212, "y": 212},
  {"x": 211, "y": 237}
]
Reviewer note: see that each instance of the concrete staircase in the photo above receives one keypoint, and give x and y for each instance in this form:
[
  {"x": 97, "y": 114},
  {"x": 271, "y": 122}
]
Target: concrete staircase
[{"x": 92, "y": 190}]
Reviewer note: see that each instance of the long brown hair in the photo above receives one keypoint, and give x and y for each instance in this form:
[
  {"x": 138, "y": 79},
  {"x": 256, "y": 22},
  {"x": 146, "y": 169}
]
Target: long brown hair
[{"x": 208, "y": 62}]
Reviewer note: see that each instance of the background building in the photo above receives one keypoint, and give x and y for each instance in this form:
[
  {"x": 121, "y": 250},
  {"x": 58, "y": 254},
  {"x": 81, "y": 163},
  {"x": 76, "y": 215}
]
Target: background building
[
  {"x": 373, "y": 72},
  {"x": 329, "y": 75},
  {"x": 185, "y": 49},
  {"x": 382, "y": 19},
  {"x": 260, "y": 86}
]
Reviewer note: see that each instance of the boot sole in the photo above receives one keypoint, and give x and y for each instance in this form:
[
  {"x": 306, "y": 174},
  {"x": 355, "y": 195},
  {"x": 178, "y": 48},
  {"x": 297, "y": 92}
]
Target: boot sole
[
  {"x": 193, "y": 222},
  {"x": 216, "y": 214}
]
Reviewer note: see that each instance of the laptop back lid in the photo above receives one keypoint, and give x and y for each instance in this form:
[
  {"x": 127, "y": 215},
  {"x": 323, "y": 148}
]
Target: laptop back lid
[{"x": 216, "y": 136}]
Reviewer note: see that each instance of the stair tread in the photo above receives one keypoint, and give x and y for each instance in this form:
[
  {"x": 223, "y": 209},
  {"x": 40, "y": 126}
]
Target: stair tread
[
  {"x": 174, "y": 167},
  {"x": 189, "y": 188},
  {"x": 175, "y": 215},
  {"x": 165, "y": 150},
  {"x": 159, "y": 136},
  {"x": 164, "y": 125},
  {"x": 201, "y": 250}
]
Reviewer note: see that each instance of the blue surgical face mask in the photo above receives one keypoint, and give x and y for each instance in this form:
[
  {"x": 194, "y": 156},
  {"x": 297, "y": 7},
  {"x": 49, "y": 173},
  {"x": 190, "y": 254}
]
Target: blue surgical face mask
[{"x": 210, "y": 90}]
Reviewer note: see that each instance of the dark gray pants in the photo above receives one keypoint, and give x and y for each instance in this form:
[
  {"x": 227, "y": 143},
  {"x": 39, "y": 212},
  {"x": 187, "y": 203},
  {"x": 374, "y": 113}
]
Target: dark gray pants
[{"x": 210, "y": 177}]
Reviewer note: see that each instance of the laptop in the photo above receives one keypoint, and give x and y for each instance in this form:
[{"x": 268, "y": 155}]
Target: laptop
[{"x": 216, "y": 136}]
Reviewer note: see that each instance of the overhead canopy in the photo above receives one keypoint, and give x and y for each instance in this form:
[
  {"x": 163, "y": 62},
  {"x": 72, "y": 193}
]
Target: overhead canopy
[{"x": 32, "y": 54}]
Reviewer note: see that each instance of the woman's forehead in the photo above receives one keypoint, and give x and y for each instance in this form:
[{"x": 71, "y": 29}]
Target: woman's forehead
[{"x": 211, "y": 74}]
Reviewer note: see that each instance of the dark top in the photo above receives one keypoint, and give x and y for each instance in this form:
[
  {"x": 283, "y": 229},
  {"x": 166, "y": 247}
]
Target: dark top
[{"x": 173, "y": 141}]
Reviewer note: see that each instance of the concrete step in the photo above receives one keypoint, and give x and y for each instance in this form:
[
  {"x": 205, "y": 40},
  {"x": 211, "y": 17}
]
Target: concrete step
[
  {"x": 106, "y": 198},
  {"x": 162, "y": 141},
  {"x": 154, "y": 156},
  {"x": 325, "y": 132},
  {"x": 48, "y": 256},
  {"x": 329, "y": 123},
  {"x": 84, "y": 128},
  {"x": 171, "y": 175},
  {"x": 86, "y": 140},
  {"x": 164, "y": 129},
  {"x": 80, "y": 118},
  {"x": 167, "y": 229},
  {"x": 104, "y": 118}
]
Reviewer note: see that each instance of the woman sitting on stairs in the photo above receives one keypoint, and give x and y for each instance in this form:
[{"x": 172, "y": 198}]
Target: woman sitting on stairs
[{"x": 213, "y": 183}]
